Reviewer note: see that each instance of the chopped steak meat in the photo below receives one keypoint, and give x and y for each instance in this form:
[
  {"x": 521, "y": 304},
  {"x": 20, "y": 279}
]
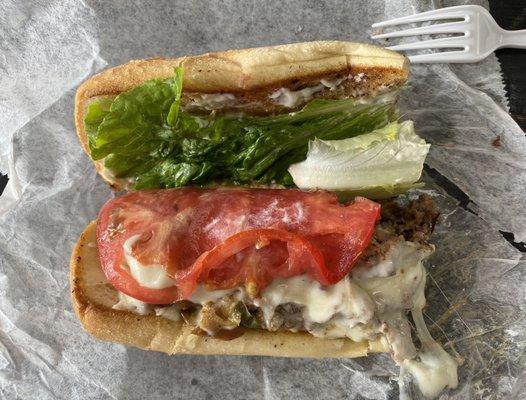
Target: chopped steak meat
[
  {"x": 223, "y": 314},
  {"x": 287, "y": 317},
  {"x": 414, "y": 221}
]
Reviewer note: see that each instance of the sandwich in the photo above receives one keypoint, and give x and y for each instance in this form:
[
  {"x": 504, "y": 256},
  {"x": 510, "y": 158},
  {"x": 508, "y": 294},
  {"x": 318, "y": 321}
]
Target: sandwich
[{"x": 261, "y": 215}]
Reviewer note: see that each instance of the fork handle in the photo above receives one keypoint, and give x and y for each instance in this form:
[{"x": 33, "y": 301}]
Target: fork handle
[{"x": 514, "y": 39}]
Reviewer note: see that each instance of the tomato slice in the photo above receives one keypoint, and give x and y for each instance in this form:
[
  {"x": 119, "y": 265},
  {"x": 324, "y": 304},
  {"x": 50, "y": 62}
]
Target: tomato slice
[
  {"x": 230, "y": 254},
  {"x": 224, "y": 238}
]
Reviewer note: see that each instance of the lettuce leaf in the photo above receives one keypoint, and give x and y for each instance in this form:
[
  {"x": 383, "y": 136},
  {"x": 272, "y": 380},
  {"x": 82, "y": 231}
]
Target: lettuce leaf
[
  {"x": 386, "y": 160},
  {"x": 144, "y": 134}
]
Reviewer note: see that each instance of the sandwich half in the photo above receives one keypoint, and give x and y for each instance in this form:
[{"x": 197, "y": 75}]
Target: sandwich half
[
  {"x": 241, "y": 116},
  {"x": 253, "y": 271}
]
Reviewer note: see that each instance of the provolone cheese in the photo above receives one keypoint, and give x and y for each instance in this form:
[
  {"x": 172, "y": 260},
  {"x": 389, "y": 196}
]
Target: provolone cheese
[{"x": 152, "y": 276}]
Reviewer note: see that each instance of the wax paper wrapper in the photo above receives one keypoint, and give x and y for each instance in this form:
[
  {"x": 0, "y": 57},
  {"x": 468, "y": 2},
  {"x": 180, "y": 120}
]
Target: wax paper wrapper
[{"x": 476, "y": 293}]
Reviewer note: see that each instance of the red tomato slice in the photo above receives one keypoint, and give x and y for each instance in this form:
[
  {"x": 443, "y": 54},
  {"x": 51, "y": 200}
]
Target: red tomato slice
[
  {"x": 225, "y": 238},
  {"x": 230, "y": 254}
]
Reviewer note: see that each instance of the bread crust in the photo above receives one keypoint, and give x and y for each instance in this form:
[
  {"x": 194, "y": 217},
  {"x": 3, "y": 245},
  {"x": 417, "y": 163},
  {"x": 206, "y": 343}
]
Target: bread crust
[
  {"x": 93, "y": 296},
  {"x": 251, "y": 75}
]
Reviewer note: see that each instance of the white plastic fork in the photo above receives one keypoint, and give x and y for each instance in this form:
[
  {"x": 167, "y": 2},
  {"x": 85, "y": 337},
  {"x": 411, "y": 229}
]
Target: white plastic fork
[{"x": 480, "y": 35}]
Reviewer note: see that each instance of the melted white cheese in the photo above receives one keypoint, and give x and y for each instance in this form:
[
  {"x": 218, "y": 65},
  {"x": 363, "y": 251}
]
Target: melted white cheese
[
  {"x": 384, "y": 268},
  {"x": 341, "y": 327},
  {"x": 319, "y": 303},
  {"x": 359, "y": 77},
  {"x": 212, "y": 101},
  {"x": 169, "y": 312},
  {"x": 433, "y": 369},
  {"x": 293, "y": 98},
  {"x": 127, "y": 303},
  {"x": 152, "y": 276},
  {"x": 203, "y": 296},
  {"x": 397, "y": 291},
  {"x": 381, "y": 97},
  {"x": 333, "y": 84}
]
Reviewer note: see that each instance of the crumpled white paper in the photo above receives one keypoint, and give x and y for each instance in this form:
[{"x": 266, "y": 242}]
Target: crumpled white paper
[{"x": 475, "y": 291}]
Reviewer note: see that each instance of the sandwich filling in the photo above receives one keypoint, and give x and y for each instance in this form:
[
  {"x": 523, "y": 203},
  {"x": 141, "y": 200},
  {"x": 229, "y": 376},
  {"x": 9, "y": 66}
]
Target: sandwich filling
[{"x": 371, "y": 300}]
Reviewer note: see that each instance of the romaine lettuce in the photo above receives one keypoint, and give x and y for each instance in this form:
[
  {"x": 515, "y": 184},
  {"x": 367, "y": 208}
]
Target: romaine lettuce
[
  {"x": 388, "y": 158},
  {"x": 146, "y": 135}
]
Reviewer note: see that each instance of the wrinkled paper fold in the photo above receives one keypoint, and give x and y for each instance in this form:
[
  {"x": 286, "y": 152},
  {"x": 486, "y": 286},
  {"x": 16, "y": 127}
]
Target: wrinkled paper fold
[{"x": 476, "y": 294}]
